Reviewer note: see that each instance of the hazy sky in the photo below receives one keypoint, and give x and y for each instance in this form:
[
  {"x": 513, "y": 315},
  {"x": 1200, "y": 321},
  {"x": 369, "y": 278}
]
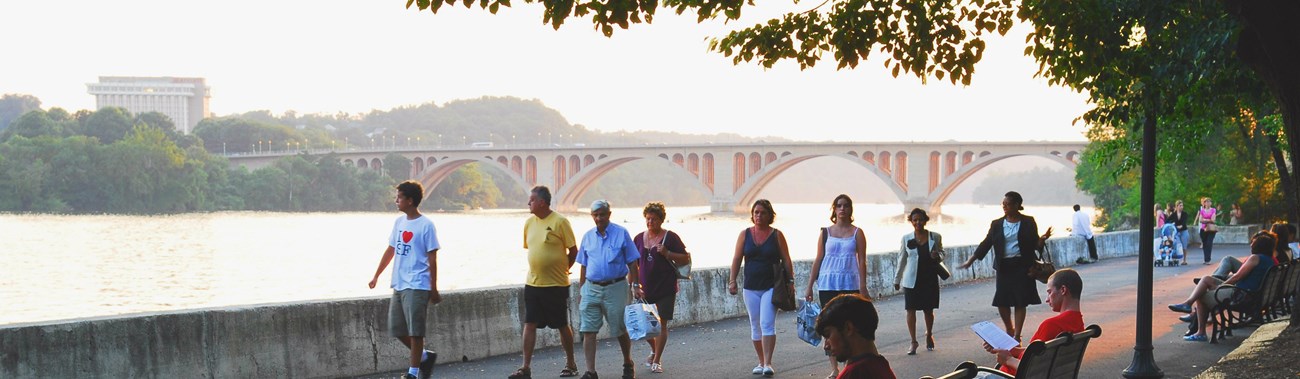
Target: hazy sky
[{"x": 354, "y": 56}]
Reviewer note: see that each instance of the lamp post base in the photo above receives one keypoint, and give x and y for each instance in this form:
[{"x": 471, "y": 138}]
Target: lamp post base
[{"x": 1143, "y": 366}]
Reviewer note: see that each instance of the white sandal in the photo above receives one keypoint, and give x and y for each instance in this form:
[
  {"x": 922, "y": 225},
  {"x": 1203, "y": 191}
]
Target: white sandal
[{"x": 656, "y": 368}]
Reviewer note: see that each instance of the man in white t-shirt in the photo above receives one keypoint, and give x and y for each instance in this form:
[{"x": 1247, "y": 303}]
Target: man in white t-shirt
[
  {"x": 414, "y": 242},
  {"x": 1082, "y": 227}
]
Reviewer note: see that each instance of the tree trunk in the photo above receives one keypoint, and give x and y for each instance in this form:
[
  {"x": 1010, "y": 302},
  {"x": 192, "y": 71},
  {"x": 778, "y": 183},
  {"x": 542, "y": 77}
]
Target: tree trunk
[
  {"x": 1286, "y": 179},
  {"x": 1270, "y": 45}
]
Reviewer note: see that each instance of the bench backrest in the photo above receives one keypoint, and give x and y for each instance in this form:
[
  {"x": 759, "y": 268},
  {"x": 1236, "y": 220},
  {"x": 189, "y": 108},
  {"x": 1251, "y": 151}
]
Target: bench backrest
[
  {"x": 1057, "y": 358},
  {"x": 1271, "y": 289},
  {"x": 1060, "y": 357},
  {"x": 1292, "y": 284}
]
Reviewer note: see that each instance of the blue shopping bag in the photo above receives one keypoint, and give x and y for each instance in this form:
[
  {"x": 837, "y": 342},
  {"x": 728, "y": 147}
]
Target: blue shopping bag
[
  {"x": 641, "y": 320},
  {"x": 805, "y": 320}
]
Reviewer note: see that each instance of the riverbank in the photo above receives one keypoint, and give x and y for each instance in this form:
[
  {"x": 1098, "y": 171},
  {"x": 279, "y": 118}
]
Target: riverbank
[{"x": 347, "y": 337}]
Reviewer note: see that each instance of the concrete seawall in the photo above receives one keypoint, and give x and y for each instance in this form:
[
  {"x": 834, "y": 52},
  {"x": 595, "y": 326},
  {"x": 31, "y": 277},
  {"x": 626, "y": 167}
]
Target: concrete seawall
[{"x": 349, "y": 336}]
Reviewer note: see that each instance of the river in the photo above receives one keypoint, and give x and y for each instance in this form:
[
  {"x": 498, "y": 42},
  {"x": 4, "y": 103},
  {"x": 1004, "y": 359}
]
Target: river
[{"x": 55, "y": 267}]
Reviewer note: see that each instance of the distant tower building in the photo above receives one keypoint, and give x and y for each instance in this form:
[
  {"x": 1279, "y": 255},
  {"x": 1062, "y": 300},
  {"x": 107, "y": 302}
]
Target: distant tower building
[{"x": 185, "y": 100}]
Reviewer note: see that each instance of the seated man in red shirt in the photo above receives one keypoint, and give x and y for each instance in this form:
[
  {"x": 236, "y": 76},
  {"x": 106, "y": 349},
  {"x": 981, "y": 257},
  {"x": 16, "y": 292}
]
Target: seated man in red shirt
[
  {"x": 848, "y": 325},
  {"x": 1063, "y": 291}
]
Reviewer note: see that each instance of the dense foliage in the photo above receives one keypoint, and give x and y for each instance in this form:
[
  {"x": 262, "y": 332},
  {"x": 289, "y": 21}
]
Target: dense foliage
[
  {"x": 110, "y": 161},
  {"x": 59, "y": 162},
  {"x": 1197, "y": 70}
]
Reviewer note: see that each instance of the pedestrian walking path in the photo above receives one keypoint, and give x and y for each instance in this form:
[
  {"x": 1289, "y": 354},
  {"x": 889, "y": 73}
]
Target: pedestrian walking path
[{"x": 722, "y": 349}]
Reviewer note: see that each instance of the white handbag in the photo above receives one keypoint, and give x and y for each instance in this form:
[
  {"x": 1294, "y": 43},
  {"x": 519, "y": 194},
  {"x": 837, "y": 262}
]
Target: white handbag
[{"x": 684, "y": 270}]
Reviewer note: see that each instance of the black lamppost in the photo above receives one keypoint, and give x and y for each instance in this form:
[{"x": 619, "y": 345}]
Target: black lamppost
[{"x": 1144, "y": 363}]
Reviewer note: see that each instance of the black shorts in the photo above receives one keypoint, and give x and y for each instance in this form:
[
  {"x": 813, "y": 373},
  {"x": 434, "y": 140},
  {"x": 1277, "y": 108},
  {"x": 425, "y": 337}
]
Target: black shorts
[
  {"x": 666, "y": 305},
  {"x": 548, "y": 307}
]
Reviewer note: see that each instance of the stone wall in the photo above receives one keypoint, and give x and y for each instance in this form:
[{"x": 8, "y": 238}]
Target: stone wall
[{"x": 349, "y": 337}]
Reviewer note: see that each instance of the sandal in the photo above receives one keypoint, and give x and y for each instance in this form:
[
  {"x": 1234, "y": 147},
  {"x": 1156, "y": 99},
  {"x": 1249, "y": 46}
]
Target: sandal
[
  {"x": 521, "y": 373},
  {"x": 568, "y": 372},
  {"x": 929, "y": 342},
  {"x": 913, "y": 350},
  {"x": 650, "y": 360},
  {"x": 656, "y": 368}
]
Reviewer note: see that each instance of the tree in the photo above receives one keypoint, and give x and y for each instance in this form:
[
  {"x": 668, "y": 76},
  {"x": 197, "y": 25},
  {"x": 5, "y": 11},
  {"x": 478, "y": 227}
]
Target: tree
[
  {"x": 1133, "y": 58},
  {"x": 13, "y": 106},
  {"x": 31, "y": 125},
  {"x": 108, "y": 124},
  {"x": 397, "y": 166},
  {"x": 466, "y": 188}
]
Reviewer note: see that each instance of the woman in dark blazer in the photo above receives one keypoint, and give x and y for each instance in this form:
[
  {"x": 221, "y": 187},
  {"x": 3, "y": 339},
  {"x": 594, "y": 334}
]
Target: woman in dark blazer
[{"x": 1012, "y": 258}]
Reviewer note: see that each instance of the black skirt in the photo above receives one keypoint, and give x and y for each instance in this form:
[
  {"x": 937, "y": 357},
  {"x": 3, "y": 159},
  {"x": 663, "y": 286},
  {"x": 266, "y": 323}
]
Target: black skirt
[
  {"x": 924, "y": 294},
  {"x": 1014, "y": 286}
]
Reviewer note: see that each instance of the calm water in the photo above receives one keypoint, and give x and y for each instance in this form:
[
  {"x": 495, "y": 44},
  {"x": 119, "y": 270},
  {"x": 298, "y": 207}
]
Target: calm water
[{"x": 56, "y": 267}]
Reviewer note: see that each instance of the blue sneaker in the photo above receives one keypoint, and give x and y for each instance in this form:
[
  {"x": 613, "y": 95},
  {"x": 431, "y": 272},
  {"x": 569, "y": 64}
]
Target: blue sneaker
[
  {"x": 1183, "y": 308},
  {"x": 1196, "y": 338}
]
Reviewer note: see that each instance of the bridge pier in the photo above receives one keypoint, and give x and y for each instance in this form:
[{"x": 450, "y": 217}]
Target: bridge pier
[
  {"x": 726, "y": 205},
  {"x": 924, "y": 204}
]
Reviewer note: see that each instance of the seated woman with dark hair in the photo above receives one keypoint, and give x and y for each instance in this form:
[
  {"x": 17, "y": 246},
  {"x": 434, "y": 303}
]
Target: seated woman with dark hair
[
  {"x": 1248, "y": 277},
  {"x": 1283, "y": 253}
]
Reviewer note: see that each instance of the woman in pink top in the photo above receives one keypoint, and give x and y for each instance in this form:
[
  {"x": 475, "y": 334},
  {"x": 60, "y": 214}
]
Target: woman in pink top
[
  {"x": 1205, "y": 221},
  {"x": 1160, "y": 216}
]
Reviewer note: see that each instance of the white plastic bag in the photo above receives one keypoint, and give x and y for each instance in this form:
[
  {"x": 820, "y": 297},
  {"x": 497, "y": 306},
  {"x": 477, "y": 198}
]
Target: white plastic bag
[
  {"x": 805, "y": 321},
  {"x": 642, "y": 320}
]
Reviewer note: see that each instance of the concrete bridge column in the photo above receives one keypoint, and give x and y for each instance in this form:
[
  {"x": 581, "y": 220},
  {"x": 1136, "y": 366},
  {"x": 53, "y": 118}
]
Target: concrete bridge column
[
  {"x": 724, "y": 197},
  {"x": 918, "y": 183}
]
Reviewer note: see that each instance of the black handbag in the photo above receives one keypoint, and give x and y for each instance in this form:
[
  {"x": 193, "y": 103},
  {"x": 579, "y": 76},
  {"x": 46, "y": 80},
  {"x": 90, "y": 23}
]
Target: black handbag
[
  {"x": 939, "y": 268},
  {"x": 1044, "y": 268}
]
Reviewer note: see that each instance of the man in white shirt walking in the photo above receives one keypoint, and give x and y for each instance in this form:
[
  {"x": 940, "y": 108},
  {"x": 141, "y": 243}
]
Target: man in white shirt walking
[{"x": 1083, "y": 228}]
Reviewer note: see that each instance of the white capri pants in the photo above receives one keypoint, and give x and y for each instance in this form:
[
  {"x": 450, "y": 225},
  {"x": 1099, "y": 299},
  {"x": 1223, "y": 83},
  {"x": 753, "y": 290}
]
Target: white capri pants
[{"x": 762, "y": 314}]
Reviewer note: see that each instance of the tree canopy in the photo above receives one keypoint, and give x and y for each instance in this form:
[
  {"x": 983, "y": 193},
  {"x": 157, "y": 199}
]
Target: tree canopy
[{"x": 1194, "y": 69}]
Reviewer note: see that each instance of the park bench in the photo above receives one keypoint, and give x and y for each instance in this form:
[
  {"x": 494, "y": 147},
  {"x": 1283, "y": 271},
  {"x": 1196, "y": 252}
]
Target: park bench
[
  {"x": 1060, "y": 357},
  {"x": 1244, "y": 307},
  {"x": 1290, "y": 286}
]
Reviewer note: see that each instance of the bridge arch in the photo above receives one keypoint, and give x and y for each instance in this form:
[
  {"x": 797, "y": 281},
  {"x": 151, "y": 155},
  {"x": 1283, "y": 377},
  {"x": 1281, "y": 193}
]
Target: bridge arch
[
  {"x": 566, "y": 197},
  {"x": 748, "y": 192},
  {"x": 951, "y": 182},
  {"x": 435, "y": 174}
]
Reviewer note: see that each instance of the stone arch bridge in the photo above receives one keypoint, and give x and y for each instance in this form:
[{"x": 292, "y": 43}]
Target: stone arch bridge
[{"x": 920, "y": 174}]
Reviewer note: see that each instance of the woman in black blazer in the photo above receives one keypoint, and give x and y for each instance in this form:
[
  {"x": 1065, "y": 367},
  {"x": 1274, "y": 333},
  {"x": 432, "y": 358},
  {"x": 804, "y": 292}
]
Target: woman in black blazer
[{"x": 1012, "y": 258}]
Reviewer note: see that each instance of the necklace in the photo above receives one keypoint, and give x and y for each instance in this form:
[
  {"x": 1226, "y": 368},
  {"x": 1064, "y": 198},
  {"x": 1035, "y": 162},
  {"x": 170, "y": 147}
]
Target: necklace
[{"x": 652, "y": 239}]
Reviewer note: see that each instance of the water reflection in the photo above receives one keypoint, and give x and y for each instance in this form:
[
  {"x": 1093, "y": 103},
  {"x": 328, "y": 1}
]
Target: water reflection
[{"x": 60, "y": 267}]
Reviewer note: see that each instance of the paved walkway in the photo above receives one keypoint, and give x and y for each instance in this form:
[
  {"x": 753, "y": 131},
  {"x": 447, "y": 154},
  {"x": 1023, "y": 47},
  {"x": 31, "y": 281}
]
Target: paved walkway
[{"x": 722, "y": 349}]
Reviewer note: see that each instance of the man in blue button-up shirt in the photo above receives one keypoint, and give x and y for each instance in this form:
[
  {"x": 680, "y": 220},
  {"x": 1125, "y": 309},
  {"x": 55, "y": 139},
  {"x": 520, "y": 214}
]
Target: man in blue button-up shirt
[{"x": 609, "y": 263}]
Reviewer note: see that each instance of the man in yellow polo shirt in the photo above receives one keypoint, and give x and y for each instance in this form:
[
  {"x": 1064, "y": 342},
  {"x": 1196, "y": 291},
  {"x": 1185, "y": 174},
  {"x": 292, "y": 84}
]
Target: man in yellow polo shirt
[{"x": 552, "y": 250}]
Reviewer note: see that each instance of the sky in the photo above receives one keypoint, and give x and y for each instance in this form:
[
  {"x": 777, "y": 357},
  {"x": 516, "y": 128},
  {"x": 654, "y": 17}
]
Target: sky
[{"x": 330, "y": 56}]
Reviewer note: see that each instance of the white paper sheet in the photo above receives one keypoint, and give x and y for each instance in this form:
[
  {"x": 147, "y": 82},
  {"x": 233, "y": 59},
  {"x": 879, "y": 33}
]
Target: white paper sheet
[{"x": 994, "y": 335}]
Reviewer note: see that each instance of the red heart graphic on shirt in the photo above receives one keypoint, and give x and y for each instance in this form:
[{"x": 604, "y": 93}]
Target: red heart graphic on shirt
[{"x": 406, "y": 236}]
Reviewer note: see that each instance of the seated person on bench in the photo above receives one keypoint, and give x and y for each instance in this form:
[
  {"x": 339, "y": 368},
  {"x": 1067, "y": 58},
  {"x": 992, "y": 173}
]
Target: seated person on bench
[{"x": 1063, "y": 290}]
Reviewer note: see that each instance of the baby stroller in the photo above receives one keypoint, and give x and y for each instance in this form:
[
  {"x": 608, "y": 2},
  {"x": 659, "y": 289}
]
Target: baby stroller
[
  {"x": 1169, "y": 250},
  {"x": 1167, "y": 255}
]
